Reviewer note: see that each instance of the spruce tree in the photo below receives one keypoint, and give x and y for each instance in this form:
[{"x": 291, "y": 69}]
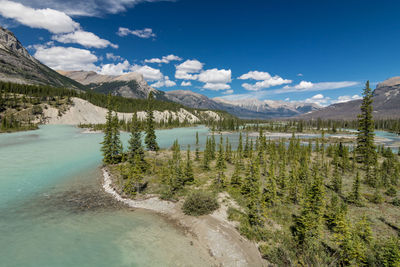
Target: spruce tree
[
  {"x": 355, "y": 195},
  {"x": 308, "y": 225},
  {"x": 220, "y": 166},
  {"x": 108, "y": 135},
  {"x": 150, "y": 138},
  {"x": 116, "y": 143},
  {"x": 189, "y": 177},
  {"x": 365, "y": 135},
  {"x": 197, "y": 158},
  {"x": 135, "y": 141}
]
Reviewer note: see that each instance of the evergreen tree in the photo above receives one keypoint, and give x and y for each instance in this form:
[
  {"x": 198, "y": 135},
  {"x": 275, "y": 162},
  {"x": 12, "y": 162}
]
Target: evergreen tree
[
  {"x": 106, "y": 148},
  {"x": 365, "y": 136},
  {"x": 150, "y": 138},
  {"x": 135, "y": 141},
  {"x": 308, "y": 225},
  {"x": 355, "y": 195},
  {"x": 135, "y": 177},
  {"x": 220, "y": 166},
  {"x": 116, "y": 143},
  {"x": 240, "y": 145},
  {"x": 236, "y": 180},
  {"x": 189, "y": 178},
  {"x": 197, "y": 158},
  {"x": 337, "y": 180}
]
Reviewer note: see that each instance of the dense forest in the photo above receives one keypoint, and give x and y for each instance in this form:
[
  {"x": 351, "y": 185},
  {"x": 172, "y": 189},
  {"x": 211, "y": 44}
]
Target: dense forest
[{"x": 316, "y": 204}]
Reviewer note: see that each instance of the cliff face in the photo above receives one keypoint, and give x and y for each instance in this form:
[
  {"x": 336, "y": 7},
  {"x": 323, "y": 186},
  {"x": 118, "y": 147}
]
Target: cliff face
[
  {"x": 386, "y": 104},
  {"x": 17, "y": 65},
  {"x": 130, "y": 85}
]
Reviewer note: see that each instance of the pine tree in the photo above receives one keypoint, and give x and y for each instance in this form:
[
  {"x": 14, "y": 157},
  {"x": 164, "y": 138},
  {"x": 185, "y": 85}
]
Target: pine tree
[
  {"x": 116, "y": 143},
  {"x": 308, "y": 225},
  {"x": 240, "y": 145},
  {"x": 197, "y": 158},
  {"x": 220, "y": 166},
  {"x": 337, "y": 180},
  {"x": 355, "y": 196},
  {"x": 189, "y": 177},
  {"x": 206, "y": 156},
  {"x": 135, "y": 141},
  {"x": 106, "y": 148},
  {"x": 365, "y": 135},
  {"x": 135, "y": 177},
  {"x": 236, "y": 180},
  {"x": 150, "y": 138}
]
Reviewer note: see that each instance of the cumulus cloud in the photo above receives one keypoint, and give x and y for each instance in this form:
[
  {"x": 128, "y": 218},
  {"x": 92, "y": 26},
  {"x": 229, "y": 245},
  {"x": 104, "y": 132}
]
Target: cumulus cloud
[
  {"x": 272, "y": 81},
  {"x": 115, "y": 69},
  {"x": 67, "y": 58},
  {"x": 66, "y": 30},
  {"x": 186, "y": 83},
  {"x": 149, "y": 73},
  {"x": 49, "y": 19},
  {"x": 300, "y": 75},
  {"x": 84, "y": 38},
  {"x": 186, "y": 70},
  {"x": 321, "y": 100},
  {"x": 145, "y": 33},
  {"x": 255, "y": 75},
  {"x": 166, "y": 82},
  {"x": 216, "y": 86},
  {"x": 164, "y": 59},
  {"x": 265, "y": 80},
  {"x": 215, "y": 76},
  {"x": 111, "y": 56},
  {"x": 305, "y": 86},
  {"x": 87, "y": 7}
]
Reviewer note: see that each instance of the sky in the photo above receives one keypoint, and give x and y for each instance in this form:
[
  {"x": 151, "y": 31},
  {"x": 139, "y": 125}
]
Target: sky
[{"x": 290, "y": 50}]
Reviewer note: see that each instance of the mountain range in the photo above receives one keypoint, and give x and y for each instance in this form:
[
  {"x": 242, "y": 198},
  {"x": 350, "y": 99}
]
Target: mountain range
[
  {"x": 18, "y": 66},
  {"x": 386, "y": 104}
]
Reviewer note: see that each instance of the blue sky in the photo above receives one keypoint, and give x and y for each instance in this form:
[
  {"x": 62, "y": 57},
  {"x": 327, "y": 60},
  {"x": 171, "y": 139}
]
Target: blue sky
[{"x": 315, "y": 51}]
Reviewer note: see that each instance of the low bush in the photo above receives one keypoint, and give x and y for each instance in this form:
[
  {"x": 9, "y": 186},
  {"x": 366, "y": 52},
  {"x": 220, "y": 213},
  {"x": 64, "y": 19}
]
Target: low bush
[{"x": 200, "y": 203}]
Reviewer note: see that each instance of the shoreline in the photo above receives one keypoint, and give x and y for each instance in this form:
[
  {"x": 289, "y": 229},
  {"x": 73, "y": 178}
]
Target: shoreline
[{"x": 212, "y": 234}]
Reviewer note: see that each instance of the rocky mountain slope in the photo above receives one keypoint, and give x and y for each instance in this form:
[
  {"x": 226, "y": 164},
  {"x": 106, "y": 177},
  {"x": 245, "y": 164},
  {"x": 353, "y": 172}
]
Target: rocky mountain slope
[
  {"x": 246, "y": 109},
  {"x": 18, "y": 66},
  {"x": 83, "y": 112},
  {"x": 131, "y": 85},
  {"x": 386, "y": 104}
]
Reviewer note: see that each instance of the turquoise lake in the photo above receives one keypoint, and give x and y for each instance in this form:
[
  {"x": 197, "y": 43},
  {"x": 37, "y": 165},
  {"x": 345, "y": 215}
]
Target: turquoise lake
[
  {"x": 45, "y": 177},
  {"x": 53, "y": 211}
]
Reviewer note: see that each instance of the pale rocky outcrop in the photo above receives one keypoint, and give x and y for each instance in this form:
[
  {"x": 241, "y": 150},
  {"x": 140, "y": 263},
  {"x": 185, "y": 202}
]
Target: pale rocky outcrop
[{"x": 83, "y": 112}]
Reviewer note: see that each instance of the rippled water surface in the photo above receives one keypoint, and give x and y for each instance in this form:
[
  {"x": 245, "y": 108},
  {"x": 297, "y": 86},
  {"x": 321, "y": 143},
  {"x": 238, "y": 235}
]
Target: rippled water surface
[{"x": 53, "y": 211}]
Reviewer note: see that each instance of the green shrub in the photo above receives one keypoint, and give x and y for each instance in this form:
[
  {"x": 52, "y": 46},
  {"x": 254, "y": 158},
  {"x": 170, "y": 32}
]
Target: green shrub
[
  {"x": 391, "y": 191},
  {"x": 200, "y": 203},
  {"x": 396, "y": 202}
]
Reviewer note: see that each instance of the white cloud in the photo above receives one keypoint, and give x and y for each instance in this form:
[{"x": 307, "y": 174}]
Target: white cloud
[
  {"x": 84, "y": 38},
  {"x": 49, "y": 19},
  {"x": 216, "y": 86},
  {"x": 164, "y": 59},
  {"x": 347, "y": 98},
  {"x": 111, "y": 56},
  {"x": 185, "y": 70},
  {"x": 166, "y": 82},
  {"x": 186, "y": 83},
  {"x": 300, "y": 75},
  {"x": 255, "y": 75},
  {"x": 149, "y": 73},
  {"x": 67, "y": 58},
  {"x": 326, "y": 101},
  {"x": 115, "y": 69},
  {"x": 87, "y": 7},
  {"x": 145, "y": 33},
  {"x": 272, "y": 81},
  {"x": 305, "y": 86},
  {"x": 228, "y": 92},
  {"x": 265, "y": 80},
  {"x": 215, "y": 76}
]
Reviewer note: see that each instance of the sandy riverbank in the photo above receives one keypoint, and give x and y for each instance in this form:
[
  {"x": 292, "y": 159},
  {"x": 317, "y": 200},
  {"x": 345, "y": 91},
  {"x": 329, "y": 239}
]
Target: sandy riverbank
[{"x": 212, "y": 234}]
